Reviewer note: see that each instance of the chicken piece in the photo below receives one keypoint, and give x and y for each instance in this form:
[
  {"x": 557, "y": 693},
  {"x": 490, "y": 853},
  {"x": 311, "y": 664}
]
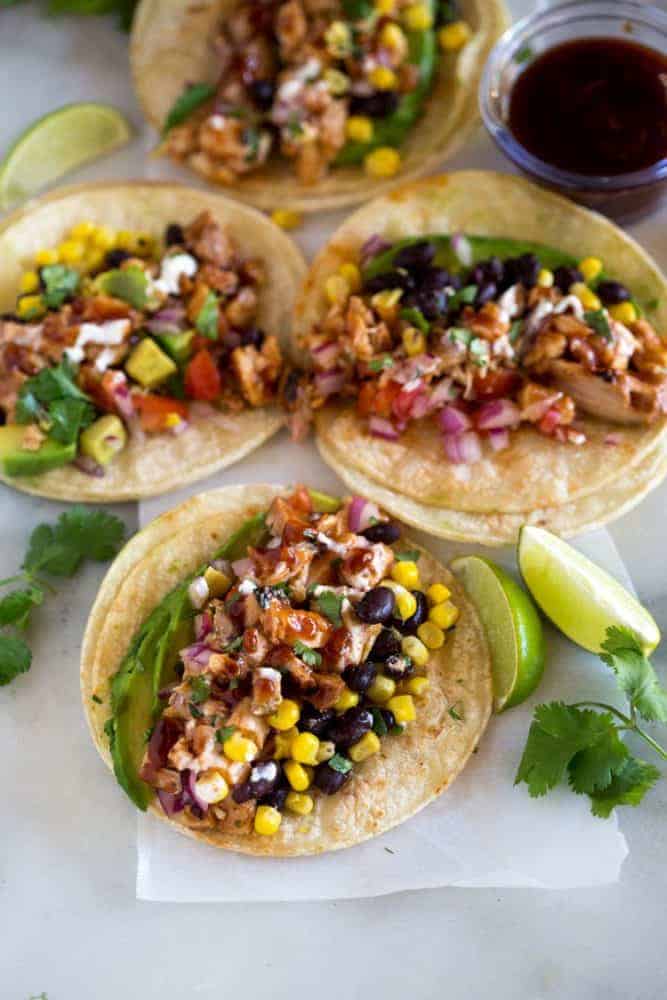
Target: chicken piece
[
  {"x": 224, "y": 628},
  {"x": 328, "y": 689},
  {"x": 288, "y": 564},
  {"x": 284, "y": 624},
  {"x": 548, "y": 344},
  {"x": 224, "y": 282},
  {"x": 225, "y": 667},
  {"x": 234, "y": 817},
  {"x": 242, "y": 309},
  {"x": 247, "y": 368},
  {"x": 626, "y": 400},
  {"x": 363, "y": 568},
  {"x": 291, "y": 28},
  {"x": 253, "y": 726},
  {"x": 255, "y": 647},
  {"x": 266, "y": 690},
  {"x": 209, "y": 243},
  {"x": 180, "y": 756},
  {"x": 489, "y": 322},
  {"x": 351, "y": 643},
  {"x": 286, "y": 659},
  {"x": 296, "y": 507}
]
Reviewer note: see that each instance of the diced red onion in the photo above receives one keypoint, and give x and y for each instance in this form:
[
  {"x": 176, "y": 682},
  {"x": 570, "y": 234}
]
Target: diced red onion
[
  {"x": 462, "y": 249},
  {"x": 329, "y": 383},
  {"x": 411, "y": 404},
  {"x": 612, "y": 440},
  {"x": 189, "y": 780},
  {"x": 373, "y": 246},
  {"x": 499, "y": 439},
  {"x": 325, "y": 355},
  {"x": 198, "y": 592},
  {"x": 361, "y": 513},
  {"x": 453, "y": 421},
  {"x": 167, "y": 320},
  {"x": 122, "y": 399},
  {"x": 381, "y": 428},
  {"x": 412, "y": 368},
  {"x": 496, "y": 414},
  {"x": 243, "y": 567},
  {"x": 231, "y": 339},
  {"x": 443, "y": 392},
  {"x": 89, "y": 466},
  {"x": 462, "y": 449},
  {"x": 198, "y": 653},
  {"x": 172, "y": 804},
  {"x": 550, "y": 421},
  {"x": 203, "y": 625},
  {"x": 165, "y": 733}
]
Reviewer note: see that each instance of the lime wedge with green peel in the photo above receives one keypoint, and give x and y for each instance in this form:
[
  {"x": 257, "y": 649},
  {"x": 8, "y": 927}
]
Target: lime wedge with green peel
[
  {"x": 512, "y": 625},
  {"x": 57, "y": 143},
  {"x": 580, "y": 598}
]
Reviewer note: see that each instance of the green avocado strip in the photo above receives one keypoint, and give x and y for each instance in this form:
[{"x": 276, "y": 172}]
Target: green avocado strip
[
  {"x": 391, "y": 131},
  {"x": 149, "y": 665}
]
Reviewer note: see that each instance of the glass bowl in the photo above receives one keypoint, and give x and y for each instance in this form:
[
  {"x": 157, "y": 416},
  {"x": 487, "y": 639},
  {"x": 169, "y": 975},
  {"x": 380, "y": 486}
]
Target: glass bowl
[{"x": 622, "y": 196}]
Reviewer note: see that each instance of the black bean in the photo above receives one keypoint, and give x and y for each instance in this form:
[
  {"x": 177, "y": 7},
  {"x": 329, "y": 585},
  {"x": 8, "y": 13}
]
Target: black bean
[
  {"x": 524, "y": 269},
  {"x": 360, "y": 677},
  {"x": 377, "y": 605},
  {"x": 612, "y": 292},
  {"x": 415, "y": 256},
  {"x": 316, "y": 721},
  {"x": 390, "y": 279},
  {"x": 328, "y": 780},
  {"x": 262, "y": 92},
  {"x": 566, "y": 276},
  {"x": 377, "y": 105},
  {"x": 277, "y": 797},
  {"x": 432, "y": 303},
  {"x": 486, "y": 293},
  {"x": 114, "y": 258},
  {"x": 253, "y": 336},
  {"x": 243, "y": 792},
  {"x": 264, "y": 778},
  {"x": 420, "y": 615},
  {"x": 384, "y": 531},
  {"x": 398, "y": 667},
  {"x": 174, "y": 235},
  {"x": 3, "y": 417},
  {"x": 387, "y": 644},
  {"x": 433, "y": 278},
  {"x": 349, "y": 727}
]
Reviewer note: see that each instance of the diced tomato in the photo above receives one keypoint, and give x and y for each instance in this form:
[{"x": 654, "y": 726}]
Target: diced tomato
[
  {"x": 202, "y": 378},
  {"x": 410, "y": 404},
  {"x": 155, "y": 411},
  {"x": 377, "y": 400},
  {"x": 496, "y": 384}
]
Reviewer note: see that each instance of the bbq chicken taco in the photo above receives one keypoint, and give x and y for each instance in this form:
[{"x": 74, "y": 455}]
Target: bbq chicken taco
[
  {"x": 142, "y": 339},
  {"x": 272, "y": 671},
  {"x": 485, "y": 354},
  {"x": 311, "y": 103}
]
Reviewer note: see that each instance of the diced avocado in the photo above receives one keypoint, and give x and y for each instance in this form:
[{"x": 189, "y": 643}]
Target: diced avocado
[
  {"x": 177, "y": 345},
  {"x": 103, "y": 439},
  {"x": 129, "y": 284},
  {"x": 18, "y": 461},
  {"x": 218, "y": 583},
  {"x": 323, "y": 503},
  {"x": 148, "y": 365}
]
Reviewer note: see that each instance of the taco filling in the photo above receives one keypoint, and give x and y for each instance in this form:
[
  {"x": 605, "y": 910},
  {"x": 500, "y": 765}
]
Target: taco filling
[
  {"x": 306, "y": 643},
  {"x": 319, "y": 83},
  {"x": 482, "y": 335},
  {"x": 116, "y": 335}
]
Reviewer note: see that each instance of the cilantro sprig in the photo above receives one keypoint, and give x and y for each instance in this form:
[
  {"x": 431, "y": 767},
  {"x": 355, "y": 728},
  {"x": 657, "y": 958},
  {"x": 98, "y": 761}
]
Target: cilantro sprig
[
  {"x": 54, "y": 550},
  {"x": 309, "y": 656},
  {"x": 584, "y": 742}
]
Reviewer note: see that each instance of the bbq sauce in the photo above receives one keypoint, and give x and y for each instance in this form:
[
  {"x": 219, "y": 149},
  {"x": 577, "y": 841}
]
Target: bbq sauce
[{"x": 595, "y": 106}]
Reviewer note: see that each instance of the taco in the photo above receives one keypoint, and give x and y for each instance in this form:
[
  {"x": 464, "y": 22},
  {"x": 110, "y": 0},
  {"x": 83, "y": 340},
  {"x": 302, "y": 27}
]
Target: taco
[
  {"x": 311, "y": 103},
  {"x": 261, "y": 671},
  {"x": 142, "y": 339},
  {"x": 485, "y": 354}
]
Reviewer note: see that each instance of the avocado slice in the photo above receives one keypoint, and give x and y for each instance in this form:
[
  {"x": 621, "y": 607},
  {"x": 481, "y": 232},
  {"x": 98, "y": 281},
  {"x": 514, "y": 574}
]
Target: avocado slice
[
  {"x": 323, "y": 503},
  {"x": 149, "y": 665},
  {"x": 18, "y": 461},
  {"x": 103, "y": 439},
  {"x": 148, "y": 365},
  {"x": 177, "y": 345}
]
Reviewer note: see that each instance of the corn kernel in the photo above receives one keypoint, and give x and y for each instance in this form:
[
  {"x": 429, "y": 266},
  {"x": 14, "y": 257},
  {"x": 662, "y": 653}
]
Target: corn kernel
[
  {"x": 417, "y": 17},
  {"x": 393, "y": 38},
  {"x": 337, "y": 289},
  {"x": 403, "y": 708},
  {"x": 240, "y": 748},
  {"x": 406, "y": 573},
  {"x": 415, "y": 649},
  {"x": 300, "y": 804},
  {"x": 381, "y": 689},
  {"x": 588, "y": 299},
  {"x": 218, "y": 583},
  {"x": 338, "y": 39},
  {"x": 103, "y": 238},
  {"x": 352, "y": 275},
  {"x": 437, "y": 593},
  {"x": 623, "y": 312},
  {"x": 385, "y": 7},
  {"x": 431, "y": 635},
  {"x": 416, "y": 686},
  {"x": 382, "y": 162},
  {"x": 172, "y": 420},
  {"x": 71, "y": 251},
  {"x": 286, "y": 715},
  {"x": 358, "y": 128},
  {"x": 454, "y": 36},
  {"x": 286, "y": 218},
  {"x": 29, "y": 282},
  {"x": 143, "y": 245},
  {"x": 44, "y": 258},
  {"x": 304, "y": 748},
  {"x": 347, "y": 699},
  {"x": 383, "y": 78},
  {"x": 267, "y": 821},
  {"x": 283, "y": 744},
  {"x": 325, "y": 751},
  {"x": 82, "y": 230},
  {"x": 211, "y": 786},
  {"x": 545, "y": 278},
  {"x": 414, "y": 341},
  {"x": 124, "y": 239},
  {"x": 591, "y": 268},
  {"x": 406, "y": 603},
  {"x": 386, "y": 302},
  {"x": 298, "y": 776},
  {"x": 30, "y": 307},
  {"x": 364, "y": 748},
  {"x": 93, "y": 260},
  {"x": 337, "y": 82},
  {"x": 444, "y": 615}
]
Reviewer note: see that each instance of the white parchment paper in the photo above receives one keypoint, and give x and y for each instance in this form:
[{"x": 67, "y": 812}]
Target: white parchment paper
[{"x": 481, "y": 832}]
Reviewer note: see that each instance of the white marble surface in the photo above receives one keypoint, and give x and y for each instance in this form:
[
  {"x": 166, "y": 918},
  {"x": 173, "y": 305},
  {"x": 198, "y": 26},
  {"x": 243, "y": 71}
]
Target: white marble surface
[{"x": 69, "y": 923}]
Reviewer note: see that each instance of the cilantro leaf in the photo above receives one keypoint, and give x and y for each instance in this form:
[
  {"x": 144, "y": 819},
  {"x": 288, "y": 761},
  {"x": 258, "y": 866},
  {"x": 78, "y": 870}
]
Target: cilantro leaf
[
  {"x": 627, "y": 787},
  {"x": 459, "y": 335},
  {"x": 60, "y": 283},
  {"x": 15, "y": 658},
  {"x": 16, "y": 606},
  {"x": 597, "y": 320},
  {"x": 68, "y": 418},
  {"x": 232, "y": 646},
  {"x": 200, "y": 688},
  {"x": 592, "y": 769},
  {"x": 309, "y": 656},
  {"x": 479, "y": 352},
  {"x": 380, "y": 727},
  {"x": 340, "y": 763},
  {"x": 251, "y": 137},
  {"x": 515, "y": 331},
  {"x": 411, "y": 555},
  {"x": 464, "y": 296},
  {"x": 49, "y": 385},
  {"x": 330, "y": 605},
  {"x": 192, "y": 98},
  {"x": 417, "y": 318},
  {"x": 357, "y": 10},
  {"x": 378, "y": 364},
  {"x": 634, "y": 673},
  {"x": 224, "y": 733},
  {"x": 207, "y": 317},
  {"x": 79, "y": 533}
]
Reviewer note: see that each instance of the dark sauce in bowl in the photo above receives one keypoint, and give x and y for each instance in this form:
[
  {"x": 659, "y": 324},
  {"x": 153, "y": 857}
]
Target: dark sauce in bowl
[{"x": 595, "y": 106}]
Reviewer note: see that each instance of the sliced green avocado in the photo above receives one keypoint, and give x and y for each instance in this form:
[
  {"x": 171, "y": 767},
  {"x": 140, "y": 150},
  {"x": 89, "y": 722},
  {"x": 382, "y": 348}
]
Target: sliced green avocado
[
  {"x": 18, "y": 461},
  {"x": 323, "y": 503},
  {"x": 148, "y": 365},
  {"x": 149, "y": 665},
  {"x": 177, "y": 345}
]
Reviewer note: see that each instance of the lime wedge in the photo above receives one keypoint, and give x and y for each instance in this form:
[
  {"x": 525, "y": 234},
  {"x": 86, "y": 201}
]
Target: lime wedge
[
  {"x": 579, "y": 597},
  {"x": 57, "y": 143},
  {"x": 512, "y": 625}
]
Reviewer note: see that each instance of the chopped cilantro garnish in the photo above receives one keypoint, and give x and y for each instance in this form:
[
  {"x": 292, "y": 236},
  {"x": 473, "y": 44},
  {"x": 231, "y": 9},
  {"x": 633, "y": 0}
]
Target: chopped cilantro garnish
[
  {"x": 653, "y": 305},
  {"x": 251, "y": 137},
  {"x": 192, "y": 98},
  {"x": 515, "y": 331},
  {"x": 197, "y": 713},
  {"x": 309, "y": 656},
  {"x": 60, "y": 283},
  {"x": 207, "y": 317},
  {"x": 357, "y": 10},
  {"x": 340, "y": 763},
  {"x": 380, "y": 727},
  {"x": 479, "y": 352},
  {"x": 224, "y": 733},
  {"x": 330, "y": 605},
  {"x": 96, "y": 699},
  {"x": 200, "y": 688},
  {"x": 411, "y": 555},
  {"x": 232, "y": 646},
  {"x": 417, "y": 318},
  {"x": 524, "y": 54},
  {"x": 597, "y": 320},
  {"x": 455, "y": 714},
  {"x": 294, "y": 126},
  {"x": 459, "y": 335},
  {"x": 378, "y": 364},
  {"x": 465, "y": 296}
]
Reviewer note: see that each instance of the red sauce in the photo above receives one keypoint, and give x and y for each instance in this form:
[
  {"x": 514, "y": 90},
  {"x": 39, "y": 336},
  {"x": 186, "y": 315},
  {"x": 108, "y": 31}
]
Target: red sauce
[{"x": 596, "y": 106}]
